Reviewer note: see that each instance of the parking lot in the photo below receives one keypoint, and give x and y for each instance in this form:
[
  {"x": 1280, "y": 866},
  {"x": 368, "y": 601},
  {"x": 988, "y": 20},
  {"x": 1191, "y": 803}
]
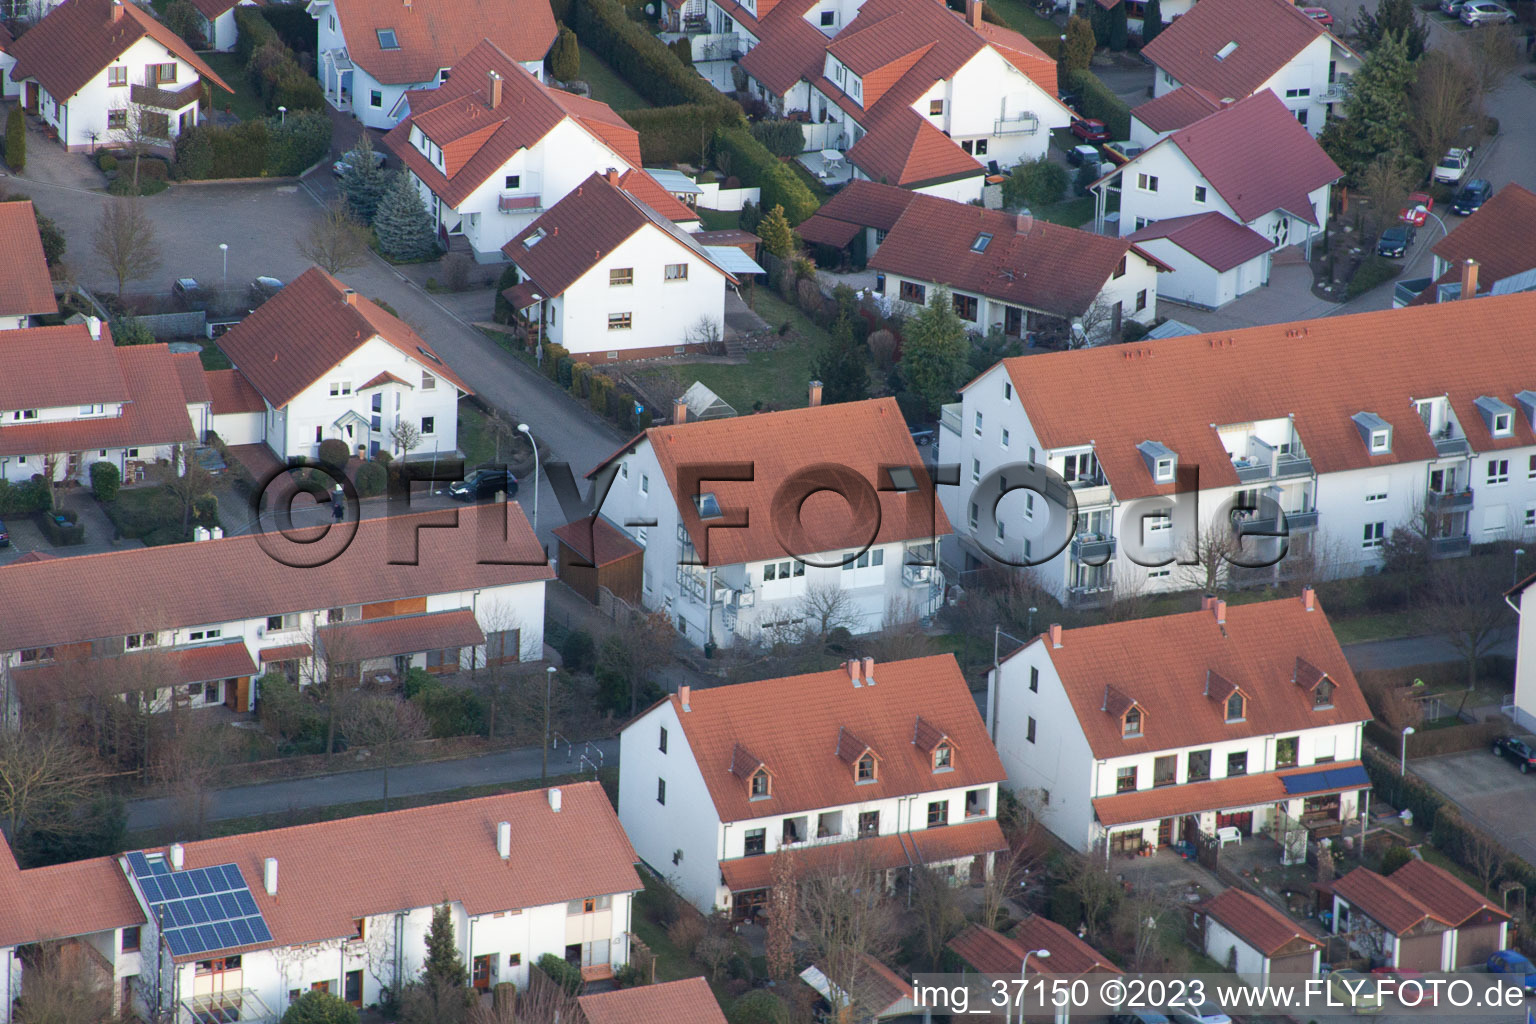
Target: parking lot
[{"x": 1490, "y": 791}]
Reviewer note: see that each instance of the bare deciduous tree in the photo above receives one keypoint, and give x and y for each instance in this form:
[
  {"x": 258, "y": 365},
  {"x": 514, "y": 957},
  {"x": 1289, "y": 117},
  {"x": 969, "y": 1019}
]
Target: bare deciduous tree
[
  {"x": 144, "y": 129},
  {"x": 386, "y": 726},
  {"x": 1011, "y": 870},
  {"x": 846, "y": 918},
  {"x": 125, "y": 242},
  {"x": 1444, "y": 100},
  {"x": 186, "y": 481},
  {"x": 1384, "y": 184},
  {"x": 783, "y": 912},
  {"x": 64, "y": 985},
  {"x": 335, "y": 242},
  {"x": 704, "y": 331},
  {"x": 1486, "y": 57},
  {"x": 1097, "y": 890},
  {"x": 1464, "y": 605},
  {"x": 936, "y": 902},
  {"x": 1483, "y": 854},
  {"x": 405, "y": 437},
  {"x": 43, "y": 780},
  {"x": 188, "y": 763},
  {"x": 824, "y": 608},
  {"x": 1205, "y": 561}
]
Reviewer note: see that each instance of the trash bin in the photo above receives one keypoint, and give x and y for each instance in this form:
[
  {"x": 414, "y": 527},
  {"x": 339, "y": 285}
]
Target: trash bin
[{"x": 1406, "y": 817}]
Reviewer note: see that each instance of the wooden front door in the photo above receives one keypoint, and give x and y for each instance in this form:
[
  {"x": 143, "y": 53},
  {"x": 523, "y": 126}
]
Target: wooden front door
[
  {"x": 1013, "y": 321},
  {"x": 352, "y": 988},
  {"x": 31, "y": 98},
  {"x": 481, "y": 976},
  {"x": 1165, "y": 832}
]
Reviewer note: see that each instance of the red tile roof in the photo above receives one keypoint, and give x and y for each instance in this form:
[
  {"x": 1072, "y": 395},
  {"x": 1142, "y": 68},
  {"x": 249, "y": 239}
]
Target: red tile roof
[
  {"x": 1256, "y": 922},
  {"x": 1212, "y": 238},
  {"x": 1256, "y": 649},
  {"x": 902, "y": 148},
  {"x": 1501, "y": 236},
  {"x": 408, "y": 634},
  {"x": 26, "y": 287},
  {"x": 792, "y": 725},
  {"x": 419, "y": 857},
  {"x": 65, "y": 900},
  {"x": 194, "y": 384},
  {"x": 1217, "y": 795},
  {"x": 650, "y": 192},
  {"x": 47, "y": 367},
  {"x": 34, "y": 556},
  {"x": 436, "y": 34},
  {"x": 779, "y": 445},
  {"x": 887, "y": 852},
  {"x": 858, "y": 204},
  {"x": 1031, "y": 61},
  {"x": 68, "y": 678},
  {"x": 232, "y": 393},
  {"x": 46, "y": 607},
  {"x": 791, "y": 48},
  {"x": 1044, "y": 266},
  {"x": 1172, "y": 390},
  {"x": 212, "y": 9},
  {"x": 1268, "y": 34},
  {"x": 1384, "y": 901},
  {"x": 690, "y": 1001},
  {"x": 1446, "y": 896},
  {"x": 574, "y": 235},
  {"x": 611, "y": 545},
  {"x": 77, "y": 39},
  {"x": 294, "y": 338},
  {"x": 155, "y": 413},
  {"x": 1177, "y": 109},
  {"x": 819, "y": 230},
  {"x": 993, "y": 953}
]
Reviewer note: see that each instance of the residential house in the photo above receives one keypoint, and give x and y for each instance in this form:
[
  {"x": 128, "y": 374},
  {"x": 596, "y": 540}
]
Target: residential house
[
  {"x": 879, "y": 767},
  {"x": 689, "y": 1001},
  {"x": 1219, "y": 723},
  {"x": 372, "y": 53},
  {"x": 608, "y": 276},
  {"x": 1522, "y": 709},
  {"x": 1135, "y": 12},
  {"x": 26, "y": 287},
  {"x": 100, "y": 72},
  {"x": 9, "y": 89},
  {"x": 1420, "y": 918},
  {"x": 216, "y": 18},
  {"x": 70, "y": 398},
  {"x": 1254, "y": 939},
  {"x": 918, "y": 96},
  {"x": 210, "y": 616},
  {"x": 237, "y": 410},
  {"x": 730, "y": 560},
  {"x": 1231, "y": 49},
  {"x": 1248, "y": 162},
  {"x": 329, "y": 363},
  {"x": 1352, "y": 442},
  {"x": 1014, "y": 274},
  {"x": 1211, "y": 258},
  {"x": 1499, "y": 240},
  {"x": 856, "y": 219},
  {"x": 237, "y": 928},
  {"x": 493, "y": 147}
]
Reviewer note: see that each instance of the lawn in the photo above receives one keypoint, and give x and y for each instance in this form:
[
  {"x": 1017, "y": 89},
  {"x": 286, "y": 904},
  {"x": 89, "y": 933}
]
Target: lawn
[
  {"x": 607, "y": 85},
  {"x": 1072, "y": 213},
  {"x": 1021, "y": 17},
  {"x": 719, "y": 220},
  {"x": 474, "y": 440},
  {"x": 214, "y": 358},
  {"x": 245, "y": 103}
]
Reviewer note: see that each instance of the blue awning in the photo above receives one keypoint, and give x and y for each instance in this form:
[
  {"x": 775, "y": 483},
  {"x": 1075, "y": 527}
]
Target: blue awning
[{"x": 1326, "y": 780}]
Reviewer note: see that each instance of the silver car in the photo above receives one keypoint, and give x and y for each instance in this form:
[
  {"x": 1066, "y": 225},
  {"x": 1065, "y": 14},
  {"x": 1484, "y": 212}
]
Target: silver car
[{"x": 1482, "y": 12}]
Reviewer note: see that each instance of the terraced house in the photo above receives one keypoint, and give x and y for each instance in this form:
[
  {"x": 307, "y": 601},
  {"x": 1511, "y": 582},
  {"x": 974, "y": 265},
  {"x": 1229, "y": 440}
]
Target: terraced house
[
  {"x": 237, "y": 928},
  {"x": 1187, "y": 444},
  {"x": 209, "y": 617},
  {"x": 26, "y": 287}
]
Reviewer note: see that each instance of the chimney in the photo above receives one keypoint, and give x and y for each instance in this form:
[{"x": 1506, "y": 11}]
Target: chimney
[
  {"x": 1207, "y": 601},
  {"x": 178, "y": 856},
  {"x": 554, "y": 800},
  {"x": 869, "y": 671},
  {"x": 555, "y": 231},
  {"x": 854, "y": 668},
  {"x": 815, "y": 396},
  {"x": 1055, "y": 634},
  {"x": 1227, "y": 101},
  {"x": 495, "y": 89},
  {"x": 973, "y": 13},
  {"x": 683, "y": 692},
  {"x": 1469, "y": 279},
  {"x": 1220, "y": 608},
  {"x": 679, "y": 411},
  {"x": 1023, "y": 221},
  {"x": 117, "y": 11},
  {"x": 93, "y": 324},
  {"x": 216, "y": 533},
  {"x": 504, "y": 840},
  {"x": 269, "y": 875},
  {"x": 200, "y": 533},
  {"x": 1309, "y": 598},
  {"x": 349, "y": 296},
  {"x": 612, "y": 175}
]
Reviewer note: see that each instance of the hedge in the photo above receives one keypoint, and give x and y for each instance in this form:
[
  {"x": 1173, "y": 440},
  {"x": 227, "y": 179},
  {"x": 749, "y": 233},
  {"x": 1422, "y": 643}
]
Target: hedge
[
  {"x": 1100, "y": 101},
  {"x": 19, "y": 499},
  {"x": 750, "y": 161},
  {"x": 274, "y": 147},
  {"x": 644, "y": 61},
  {"x": 1433, "y": 742},
  {"x": 64, "y": 534},
  {"x": 675, "y": 135}
]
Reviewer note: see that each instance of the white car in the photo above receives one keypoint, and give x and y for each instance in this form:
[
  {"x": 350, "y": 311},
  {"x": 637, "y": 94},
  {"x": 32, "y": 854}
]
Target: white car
[
  {"x": 1484, "y": 13},
  {"x": 1454, "y": 165}
]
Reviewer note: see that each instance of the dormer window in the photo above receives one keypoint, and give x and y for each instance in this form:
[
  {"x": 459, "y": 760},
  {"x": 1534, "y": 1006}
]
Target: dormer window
[
  {"x": 865, "y": 769},
  {"x": 1130, "y": 725},
  {"x": 1498, "y": 416},
  {"x": 1322, "y": 696},
  {"x": 943, "y": 758},
  {"x": 761, "y": 785},
  {"x": 1161, "y": 462},
  {"x": 1375, "y": 432},
  {"x": 387, "y": 40},
  {"x": 1237, "y": 707},
  {"x": 534, "y": 238}
]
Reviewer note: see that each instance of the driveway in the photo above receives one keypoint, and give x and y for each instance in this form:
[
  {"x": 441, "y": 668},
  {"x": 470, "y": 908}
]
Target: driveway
[
  {"x": 99, "y": 531},
  {"x": 48, "y": 161},
  {"x": 1490, "y": 792}
]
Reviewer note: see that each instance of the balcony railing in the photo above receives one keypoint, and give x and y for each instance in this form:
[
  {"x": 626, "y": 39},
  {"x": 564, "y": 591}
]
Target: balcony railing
[
  {"x": 1087, "y": 547},
  {"x": 164, "y": 98},
  {"x": 1449, "y": 547},
  {"x": 1282, "y": 466},
  {"x": 1269, "y": 526},
  {"x": 1091, "y": 492},
  {"x": 949, "y": 417},
  {"x": 918, "y": 575},
  {"x": 1405, "y": 292},
  {"x": 1446, "y": 445},
  {"x": 1450, "y": 501},
  {"x": 1023, "y": 123},
  {"x": 519, "y": 202}
]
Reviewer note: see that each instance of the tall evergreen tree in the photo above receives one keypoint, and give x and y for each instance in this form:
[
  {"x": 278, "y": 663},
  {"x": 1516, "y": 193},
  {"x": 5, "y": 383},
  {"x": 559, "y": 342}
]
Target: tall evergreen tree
[
  {"x": 933, "y": 351},
  {"x": 402, "y": 223},
  {"x": 778, "y": 237},
  {"x": 1398, "y": 17},
  {"x": 1119, "y": 31},
  {"x": 565, "y": 57},
  {"x": 839, "y": 365},
  {"x": 363, "y": 184},
  {"x": 1377, "y": 111},
  {"x": 16, "y": 140},
  {"x": 1151, "y": 21},
  {"x": 444, "y": 965}
]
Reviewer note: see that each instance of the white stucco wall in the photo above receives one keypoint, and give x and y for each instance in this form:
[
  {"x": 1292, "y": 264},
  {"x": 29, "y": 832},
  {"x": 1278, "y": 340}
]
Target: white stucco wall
[{"x": 80, "y": 117}]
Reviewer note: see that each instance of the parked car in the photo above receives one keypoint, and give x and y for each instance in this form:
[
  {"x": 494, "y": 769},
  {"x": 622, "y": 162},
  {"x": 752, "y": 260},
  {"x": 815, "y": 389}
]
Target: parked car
[
  {"x": 188, "y": 294},
  {"x": 1472, "y": 196},
  {"x": 1121, "y": 152},
  {"x": 1452, "y": 7},
  {"x": 1090, "y": 129},
  {"x": 1354, "y": 990},
  {"x": 484, "y": 483},
  {"x": 1423, "y": 995},
  {"x": 352, "y": 156},
  {"x": 1079, "y": 155},
  {"x": 1453, "y": 166},
  {"x": 5, "y": 537},
  {"x": 1319, "y": 15},
  {"x": 1517, "y": 751},
  {"x": 1070, "y": 99},
  {"x": 1395, "y": 241},
  {"x": 1482, "y": 12},
  {"x": 1206, "y": 1013},
  {"x": 262, "y": 289},
  {"x": 1418, "y": 209},
  {"x": 1516, "y": 966}
]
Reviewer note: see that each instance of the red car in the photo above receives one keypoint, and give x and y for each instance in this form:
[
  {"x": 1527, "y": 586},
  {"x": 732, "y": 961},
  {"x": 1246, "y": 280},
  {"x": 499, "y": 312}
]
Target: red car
[
  {"x": 1418, "y": 209},
  {"x": 1319, "y": 15},
  {"x": 1090, "y": 129}
]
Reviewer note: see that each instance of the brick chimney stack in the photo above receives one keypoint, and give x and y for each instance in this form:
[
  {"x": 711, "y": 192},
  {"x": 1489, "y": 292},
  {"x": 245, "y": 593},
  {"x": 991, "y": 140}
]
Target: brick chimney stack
[
  {"x": 117, "y": 11},
  {"x": 815, "y": 393},
  {"x": 495, "y": 89},
  {"x": 349, "y": 296},
  {"x": 1469, "y": 279},
  {"x": 1308, "y": 598},
  {"x": 679, "y": 411},
  {"x": 973, "y": 13},
  {"x": 1055, "y": 634},
  {"x": 612, "y": 174}
]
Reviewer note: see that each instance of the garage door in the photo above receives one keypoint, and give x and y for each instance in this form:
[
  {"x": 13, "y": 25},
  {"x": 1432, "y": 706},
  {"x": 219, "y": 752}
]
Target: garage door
[
  {"x": 1299, "y": 963},
  {"x": 1475, "y": 943},
  {"x": 1419, "y": 953}
]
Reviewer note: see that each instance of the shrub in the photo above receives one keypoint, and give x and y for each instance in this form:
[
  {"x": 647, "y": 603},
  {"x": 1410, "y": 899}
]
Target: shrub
[
  {"x": 456, "y": 271},
  {"x": 678, "y": 134},
  {"x": 254, "y": 32},
  {"x": 418, "y": 680},
  {"x": 294, "y": 26},
  {"x": 780, "y": 137},
  {"x": 297, "y": 142},
  {"x": 19, "y": 499},
  {"x": 565, "y": 57},
  {"x": 450, "y": 711},
  {"x": 578, "y": 650},
  {"x": 1374, "y": 271},
  {"x": 509, "y": 277},
  {"x": 567, "y": 976},
  {"x": 130, "y": 330},
  {"x": 1100, "y": 101},
  {"x": 1035, "y": 183},
  {"x": 194, "y": 153},
  {"x": 372, "y": 479},
  {"x": 319, "y": 1008},
  {"x": 751, "y": 161},
  {"x": 687, "y": 932},
  {"x": 759, "y": 1007},
  {"x": 334, "y": 452},
  {"x": 122, "y": 185},
  {"x": 882, "y": 348},
  {"x": 16, "y": 140},
  {"x": 153, "y": 169},
  {"x": 105, "y": 481},
  {"x": 60, "y": 534},
  {"x": 1394, "y": 858},
  {"x": 106, "y": 162}
]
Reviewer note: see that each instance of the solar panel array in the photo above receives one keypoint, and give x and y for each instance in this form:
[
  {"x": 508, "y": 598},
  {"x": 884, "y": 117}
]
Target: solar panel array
[{"x": 200, "y": 910}]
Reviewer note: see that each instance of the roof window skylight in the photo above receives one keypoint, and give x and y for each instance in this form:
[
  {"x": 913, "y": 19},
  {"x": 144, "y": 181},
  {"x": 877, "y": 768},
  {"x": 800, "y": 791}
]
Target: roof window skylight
[
  {"x": 1225, "y": 51},
  {"x": 387, "y": 40},
  {"x": 981, "y": 243}
]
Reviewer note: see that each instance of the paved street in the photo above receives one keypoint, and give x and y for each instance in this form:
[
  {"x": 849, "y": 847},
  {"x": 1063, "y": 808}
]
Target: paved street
[
  {"x": 1401, "y": 652},
  {"x": 354, "y": 787}
]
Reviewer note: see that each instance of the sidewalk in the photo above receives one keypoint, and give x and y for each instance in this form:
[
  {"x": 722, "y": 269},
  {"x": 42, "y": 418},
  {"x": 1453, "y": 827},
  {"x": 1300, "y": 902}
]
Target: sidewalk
[{"x": 368, "y": 784}]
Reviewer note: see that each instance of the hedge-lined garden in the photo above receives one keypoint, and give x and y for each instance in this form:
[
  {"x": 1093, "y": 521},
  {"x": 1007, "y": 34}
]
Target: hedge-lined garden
[{"x": 269, "y": 148}]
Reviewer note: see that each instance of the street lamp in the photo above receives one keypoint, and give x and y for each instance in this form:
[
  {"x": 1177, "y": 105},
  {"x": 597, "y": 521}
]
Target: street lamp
[
  {"x": 1402, "y": 761},
  {"x": 549, "y": 688},
  {"x": 283, "y": 114},
  {"x": 1518, "y": 553},
  {"x": 1038, "y": 954},
  {"x": 1029, "y": 630},
  {"x": 224, "y": 248},
  {"x": 522, "y": 428}
]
